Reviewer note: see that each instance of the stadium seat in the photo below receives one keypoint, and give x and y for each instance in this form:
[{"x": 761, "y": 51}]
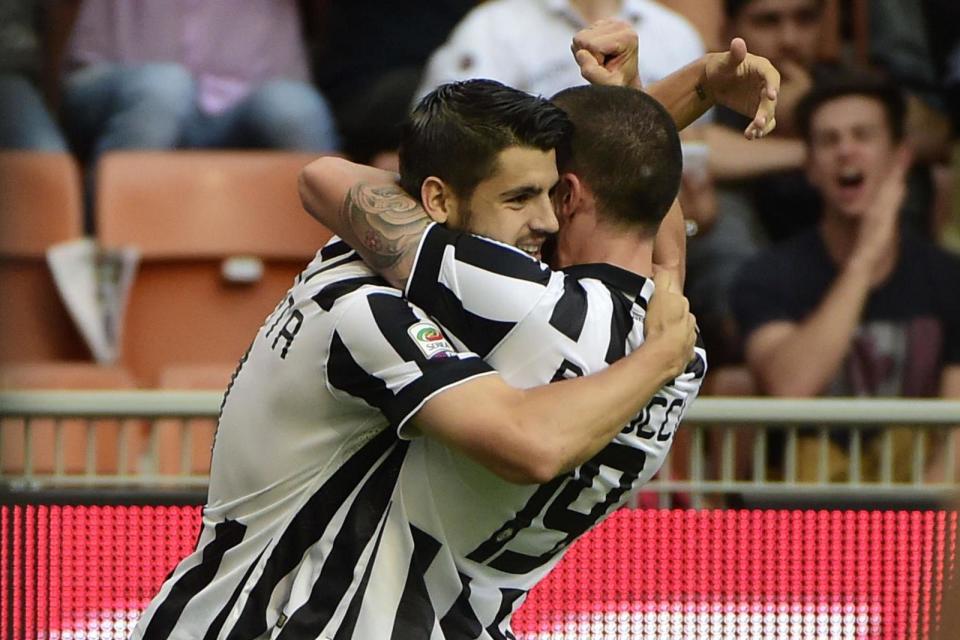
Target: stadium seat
[
  {"x": 173, "y": 457},
  {"x": 40, "y": 205},
  {"x": 106, "y": 432},
  {"x": 221, "y": 236}
]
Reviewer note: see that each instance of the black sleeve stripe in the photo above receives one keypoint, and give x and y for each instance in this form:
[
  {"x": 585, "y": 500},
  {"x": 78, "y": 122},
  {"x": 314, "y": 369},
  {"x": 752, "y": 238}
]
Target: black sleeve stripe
[
  {"x": 437, "y": 375},
  {"x": 500, "y": 259},
  {"x": 479, "y": 333},
  {"x": 332, "y": 292},
  {"x": 326, "y": 267},
  {"x": 334, "y": 249},
  {"x": 393, "y": 317},
  {"x": 415, "y": 615},
  {"x": 570, "y": 312},
  {"x": 425, "y": 278},
  {"x": 359, "y": 527},
  {"x": 345, "y": 374},
  {"x": 620, "y": 325}
]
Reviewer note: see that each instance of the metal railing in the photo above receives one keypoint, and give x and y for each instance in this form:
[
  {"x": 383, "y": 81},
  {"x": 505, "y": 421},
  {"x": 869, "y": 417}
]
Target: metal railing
[{"x": 889, "y": 448}]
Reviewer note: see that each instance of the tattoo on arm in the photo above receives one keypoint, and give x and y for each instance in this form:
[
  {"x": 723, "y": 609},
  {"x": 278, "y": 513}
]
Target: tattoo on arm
[{"x": 386, "y": 225}]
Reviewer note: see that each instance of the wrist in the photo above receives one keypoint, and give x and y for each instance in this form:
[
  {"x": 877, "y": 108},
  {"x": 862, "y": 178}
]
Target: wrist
[
  {"x": 667, "y": 360},
  {"x": 704, "y": 88}
]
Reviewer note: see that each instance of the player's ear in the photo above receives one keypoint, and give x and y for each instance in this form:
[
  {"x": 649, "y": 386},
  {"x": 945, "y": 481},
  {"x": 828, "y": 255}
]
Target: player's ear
[
  {"x": 569, "y": 196},
  {"x": 437, "y": 199}
]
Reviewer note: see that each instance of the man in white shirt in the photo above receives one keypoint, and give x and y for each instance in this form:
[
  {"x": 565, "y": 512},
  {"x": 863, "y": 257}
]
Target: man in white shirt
[{"x": 526, "y": 43}]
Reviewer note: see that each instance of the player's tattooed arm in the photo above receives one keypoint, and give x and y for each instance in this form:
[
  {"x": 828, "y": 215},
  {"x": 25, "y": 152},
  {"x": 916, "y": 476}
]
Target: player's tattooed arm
[
  {"x": 384, "y": 224},
  {"x": 366, "y": 208}
]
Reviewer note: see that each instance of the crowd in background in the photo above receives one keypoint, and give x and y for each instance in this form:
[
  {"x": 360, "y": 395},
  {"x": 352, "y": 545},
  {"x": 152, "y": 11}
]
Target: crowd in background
[{"x": 776, "y": 227}]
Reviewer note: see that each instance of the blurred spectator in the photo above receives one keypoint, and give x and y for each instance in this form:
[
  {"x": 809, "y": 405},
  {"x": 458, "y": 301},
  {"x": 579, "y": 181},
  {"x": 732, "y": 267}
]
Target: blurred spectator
[
  {"x": 943, "y": 30},
  {"x": 900, "y": 44},
  {"x": 219, "y": 73},
  {"x": 764, "y": 195},
  {"x": 25, "y": 122},
  {"x": 526, "y": 43},
  {"x": 859, "y": 305},
  {"x": 369, "y": 58}
]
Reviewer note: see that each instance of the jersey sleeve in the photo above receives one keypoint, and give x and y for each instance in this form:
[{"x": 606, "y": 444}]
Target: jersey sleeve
[
  {"x": 390, "y": 355},
  {"x": 478, "y": 289}
]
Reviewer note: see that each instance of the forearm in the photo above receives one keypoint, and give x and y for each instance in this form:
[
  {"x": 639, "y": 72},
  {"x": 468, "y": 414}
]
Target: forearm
[
  {"x": 325, "y": 183},
  {"x": 670, "y": 246},
  {"x": 532, "y": 435},
  {"x": 733, "y": 157},
  {"x": 573, "y": 420},
  {"x": 368, "y": 210},
  {"x": 682, "y": 93},
  {"x": 805, "y": 362}
]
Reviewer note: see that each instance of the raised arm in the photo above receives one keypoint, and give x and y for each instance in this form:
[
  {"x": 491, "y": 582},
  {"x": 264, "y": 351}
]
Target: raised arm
[
  {"x": 607, "y": 54},
  {"x": 366, "y": 208}
]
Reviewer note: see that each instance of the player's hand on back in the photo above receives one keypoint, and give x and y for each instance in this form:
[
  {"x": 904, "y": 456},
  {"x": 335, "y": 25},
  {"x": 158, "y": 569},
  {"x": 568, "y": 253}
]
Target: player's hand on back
[
  {"x": 607, "y": 53},
  {"x": 669, "y": 324},
  {"x": 747, "y": 83}
]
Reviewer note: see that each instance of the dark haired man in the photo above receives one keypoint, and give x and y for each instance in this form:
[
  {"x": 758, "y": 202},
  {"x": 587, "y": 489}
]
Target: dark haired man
[
  {"x": 305, "y": 531},
  {"x": 860, "y": 305}
]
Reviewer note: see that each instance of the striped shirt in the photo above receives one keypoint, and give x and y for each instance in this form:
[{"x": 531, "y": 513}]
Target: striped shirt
[
  {"x": 304, "y": 525},
  {"x": 534, "y": 326}
]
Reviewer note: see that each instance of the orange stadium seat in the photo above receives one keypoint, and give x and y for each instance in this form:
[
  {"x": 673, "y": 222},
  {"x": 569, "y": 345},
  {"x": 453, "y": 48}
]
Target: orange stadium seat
[
  {"x": 172, "y": 456},
  {"x": 40, "y": 205},
  {"x": 106, "y": 432},
  {"x": 221, "y": 236}
]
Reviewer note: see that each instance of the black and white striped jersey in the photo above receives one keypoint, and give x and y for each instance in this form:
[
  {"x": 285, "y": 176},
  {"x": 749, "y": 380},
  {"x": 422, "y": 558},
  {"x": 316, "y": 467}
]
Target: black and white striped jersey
[
  {"x": 304, "y": 533},
  {"x": 534, "y": 326}
]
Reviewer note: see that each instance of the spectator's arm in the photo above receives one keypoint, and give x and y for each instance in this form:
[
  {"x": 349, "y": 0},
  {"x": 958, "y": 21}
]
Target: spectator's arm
[
  {"x": 800, "y": 359},
  {"x": 734, "y": 158},
  {"x": 950, "y": 382}
]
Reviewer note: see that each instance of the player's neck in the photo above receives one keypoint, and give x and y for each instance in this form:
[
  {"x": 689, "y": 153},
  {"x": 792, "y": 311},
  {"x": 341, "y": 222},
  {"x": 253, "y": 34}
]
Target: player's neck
[{"x": 606, "y": 245}]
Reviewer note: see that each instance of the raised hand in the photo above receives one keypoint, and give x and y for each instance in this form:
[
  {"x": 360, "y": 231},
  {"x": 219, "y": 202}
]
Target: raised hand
[
  {"x": 746, "y": 83},
  {"x": 607, "y": 53},
  {"x": 877, "y": 236}
]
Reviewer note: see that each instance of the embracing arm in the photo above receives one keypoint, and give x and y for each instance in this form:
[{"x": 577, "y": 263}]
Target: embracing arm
[
  {"x": 533, "y": 435},
  {"x": 366, "y": 208}
]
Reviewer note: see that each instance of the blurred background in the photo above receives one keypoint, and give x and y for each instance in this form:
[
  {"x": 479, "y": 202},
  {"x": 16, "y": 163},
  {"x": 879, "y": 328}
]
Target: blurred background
[{"x": 149, "y": 221}]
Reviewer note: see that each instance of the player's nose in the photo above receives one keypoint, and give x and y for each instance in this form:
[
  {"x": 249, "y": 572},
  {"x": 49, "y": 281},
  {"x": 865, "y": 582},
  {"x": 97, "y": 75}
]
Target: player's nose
[{"x": 545, "y": 221}]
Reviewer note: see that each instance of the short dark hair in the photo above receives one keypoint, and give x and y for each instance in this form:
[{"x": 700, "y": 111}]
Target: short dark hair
[
  {"x": 853, "y": 83},
  {"x": 457, "y": 130},
  {"x": 626, "y": 149},
  {"x": 734, "y": 7}
]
